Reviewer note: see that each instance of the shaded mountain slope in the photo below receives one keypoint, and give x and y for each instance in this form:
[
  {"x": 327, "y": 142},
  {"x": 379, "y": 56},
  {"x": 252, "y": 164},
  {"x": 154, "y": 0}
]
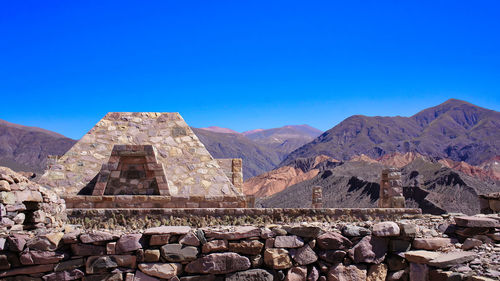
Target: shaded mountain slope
[
  {"x": 428, "y": 185},
  {"x": 257, "y": 159},
  {"x": 455, "y": 129},
  {"x": 26, "y": 148}
]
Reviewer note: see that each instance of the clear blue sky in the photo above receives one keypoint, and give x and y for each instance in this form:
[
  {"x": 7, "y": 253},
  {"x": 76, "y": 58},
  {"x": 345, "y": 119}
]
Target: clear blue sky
[{"x": 243, "y": 64}]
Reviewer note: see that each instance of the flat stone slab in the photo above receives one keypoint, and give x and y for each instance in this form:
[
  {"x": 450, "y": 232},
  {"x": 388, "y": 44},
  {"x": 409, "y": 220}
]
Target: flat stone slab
[
  {"x": 452, "y": 258},
  {"x": 471, "y": 221},
  {"x": 421, "y": 256},
  {"x": 168, "y": 230}
]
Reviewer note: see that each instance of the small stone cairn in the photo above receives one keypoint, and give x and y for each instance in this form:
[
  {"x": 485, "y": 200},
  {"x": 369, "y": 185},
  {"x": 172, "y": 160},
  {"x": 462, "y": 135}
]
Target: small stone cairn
[
  {"x": 317, "y": 197},
  {"x": 391, "y": 190}
]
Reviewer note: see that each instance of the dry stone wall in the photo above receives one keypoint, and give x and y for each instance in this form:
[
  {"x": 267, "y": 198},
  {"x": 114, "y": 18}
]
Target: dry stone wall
[
  {"x": 189, "y": 167},
  {"x": 404, "y": 250}
]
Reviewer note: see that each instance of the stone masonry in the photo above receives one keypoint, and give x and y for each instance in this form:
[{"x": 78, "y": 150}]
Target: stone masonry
[
  {"x": 189, "y": 168},
  {"x": 391, "y": 190}
]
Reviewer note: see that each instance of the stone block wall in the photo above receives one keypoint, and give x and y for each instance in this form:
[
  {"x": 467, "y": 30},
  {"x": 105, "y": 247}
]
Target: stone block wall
[
  {"x": 391, "y": 189},
  {"x": 233, "y": 168},
  {"x": 404, "y": 250},
  {"x": 490, "y": 203}
]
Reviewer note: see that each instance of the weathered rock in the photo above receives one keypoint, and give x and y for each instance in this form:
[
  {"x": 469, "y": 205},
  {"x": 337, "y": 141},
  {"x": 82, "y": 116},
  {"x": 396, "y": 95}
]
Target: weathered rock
[
  {"x": 333, "y": 241},
  {"x": 266, "y": 233},
  {"x": 452, "y": 258},
  {"x": 87, "y": 250},
  {"x": 386, "y": 229},
  {"x": 16, "y": 242},
  {"x": 128, "y": 243},
  {"x": 100, "y": 265},
  {"x": 304, "y": 255},
  {"x": 218, "y": 263},
  {"x": 161, "y": 270},
  {"x": 440, "y": 275},
  {"x": 171, "y": 230},
  {"x": 256, "y": 261},
  {"x": 159, "y": 239},
  {"x": 4, "y": 185},
  {"x": 420, "y": 256},
  {"x": 73, "y": 274},
  {"x": 8, "y": 198},
  {"x": 96, "y": 236},
  {"x": 2, "y": 243},
  {"x": 152, "y": 255},
  {"x": 313, "y": 274},
  {"x": 288, "y": 242},
  {"x": 19, "y": 218},
  {"x": 238, "y": 233},
  {"x": 377, "y": 272},
  {"x": 340, "y": 272},
  {"x": 431, "y": 243},
  {"x": 190, "y": 239},
  {"x": 400, "y": 275},
  {"x": 305, "y": 231},
  {"x": 215, "y": 246},
  {"x": 69, "y": 265},
  {"x": 370, "y": 249},
  {"x": 355, "y": 231},
  {"x": 277, "y": 258},
  {"x": 250, "y": 275},
  {"x": 210, "y": 277},
  {"x": 419, "y": 272},
  {"x": 471, "y": 243},
  {"x": 471, "y": 221},
  {"x": 40, "y": 257},
  {"x": 104, "y": 277},
  {"x": 332, "y": 256},
  {"x": 252, "y": 247},
  {"x": 28, "y": 270},
  {"x": 298, "y": 273},
  {"x": 178, "y": 253},
  {"x": 71, "y": 237}
]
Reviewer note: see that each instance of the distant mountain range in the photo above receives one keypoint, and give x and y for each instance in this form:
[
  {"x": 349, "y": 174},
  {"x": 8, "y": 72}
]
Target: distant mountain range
[
  {"x": 25, "y": 148},
  {"x": 455, "y": 130}
]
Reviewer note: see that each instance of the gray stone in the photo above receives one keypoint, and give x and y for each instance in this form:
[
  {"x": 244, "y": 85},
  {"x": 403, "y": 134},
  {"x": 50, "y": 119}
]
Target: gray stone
[
  {"x": 161, "y": 270},
  {"x": 340, "y": 272},
  {"x": 178, "y": 253},
  {"x": 288, "y": 242},
  {"x": 218, "y": 263},
  {"x": 305, "y": 231},
  {"x": 355, "y": 231},
  {"x": 471, "y": 221},
  {"x": 332, "y": 256},
  {"x": 370, "y": 249},
  {"x": 419, "y": 272},
  {"x": 386, "y": 229},
  {"x": 333, "y": 241},
  {"x": 304, "y": 255},
  {"x": 250, "y": 275},
  {"x": 450, "y": 259}
]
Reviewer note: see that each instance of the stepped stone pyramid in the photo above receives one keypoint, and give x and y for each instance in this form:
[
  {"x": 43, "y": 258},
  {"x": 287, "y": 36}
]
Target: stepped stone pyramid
[{"x": 188, "y": 167}]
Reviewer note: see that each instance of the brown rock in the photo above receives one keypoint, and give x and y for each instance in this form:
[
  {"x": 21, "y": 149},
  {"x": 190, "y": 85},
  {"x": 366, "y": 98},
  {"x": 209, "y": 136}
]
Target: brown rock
[
  {"x": 471, "y": 243},
  {"x": 420, "y": 256},
  {"x": 288, "y": 242},
  {"x": 304, "y": 255},
  {"x": 471, "y": 221},
  {"x": 218, "y": 263},
  {"x": 73, "y": 274},
  {"x": 128, "y": 243},
  {"x": 171, "y": 230},
  {"x": 28, "y": 270},
  {"x": 277, "y": 258},
  {"x": 238, "y": 233},
  {"x": 16, "y": 242},
  {"x": 4, "y": 262},
  {"x": 69, "y": 265},
  {"x": 253, "y": 247},
  {"x": 332, "y": 256},
  {"x": 190, "y": 239},
  {"x": 247, "y": 275},
  {"x": 370, "y": 249},
  {"x": 96, "y": 236},
  {"x": 377, "y": 272},
  {"x": 298, "y": 273},
  {"x": 333, "y": 241},
  {"x": 419, "y": 272},
  {"x": 452, "y": 258},
  {"x": 179, "y": 253},
  {"x": 386, "y": 229},
  {"x": 152, "y": 255},
  {"x": 431, "y": 244},
  {"x": 340, "y": 272},
  {"x": 139, "y": 276},
  {"x": 40, "y": 257},
  {"x": 161, "y": 270},
  {"x": 87, "y": 250},
  {"x": 159, "y": 239},
  {"x": 215, "y": 246}
]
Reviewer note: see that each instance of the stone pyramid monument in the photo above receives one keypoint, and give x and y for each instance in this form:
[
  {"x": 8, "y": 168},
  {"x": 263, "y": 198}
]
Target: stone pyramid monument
[{"x": 166, "y": 142}]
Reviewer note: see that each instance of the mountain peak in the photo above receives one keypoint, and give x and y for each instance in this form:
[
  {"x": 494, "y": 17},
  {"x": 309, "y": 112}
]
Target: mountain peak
[{"x": 216, "y": 129}]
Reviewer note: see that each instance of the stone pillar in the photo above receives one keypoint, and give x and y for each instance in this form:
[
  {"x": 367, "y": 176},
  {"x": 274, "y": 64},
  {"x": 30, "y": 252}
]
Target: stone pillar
[
  {"x": 391, "y": 189},
  {"x": 317, "y": 197}
]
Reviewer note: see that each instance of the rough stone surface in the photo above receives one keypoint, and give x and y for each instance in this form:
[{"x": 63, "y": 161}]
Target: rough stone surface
[
  {"x": 161, "y": 270},
  {"x": 333, "y": 241},
  {"x": 377, "y": 272},
  {"x": 420, "y": 256},
  {"x": 471, "y": 221},
  {"x": 250, "y": 275},
  {"x": 419, "y": 272},
  {"x": 215, "y": 246},
  {"x": 218, "y": 263},
  {"x": 252, "y": 247},
  {"x": 452, "y": 258},
  {"x": 431, "y": 243},
  {"x": 288, "y": 242},
  {"x": 385, "y": 229},
  {"x": 298, "y": 273},
  {"x": 128, "y": 243},
  {"x": 277, "y": 258},
  {"x": 370, "y": 249},
  {"x": 179, "y": 253},
  {"x": 340, "y": 272}
]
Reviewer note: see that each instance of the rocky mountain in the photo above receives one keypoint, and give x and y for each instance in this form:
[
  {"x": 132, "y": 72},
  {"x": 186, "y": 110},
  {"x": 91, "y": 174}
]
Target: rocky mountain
[
  {"x": 216, "y": 129},
  {"x": 428, "y": 185},
  {"x": 455, "y": 129},
  {"x": 284, "y": 139},
  {"x": 25, "y": 148},
  {"x": 257, "y": 158}
]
